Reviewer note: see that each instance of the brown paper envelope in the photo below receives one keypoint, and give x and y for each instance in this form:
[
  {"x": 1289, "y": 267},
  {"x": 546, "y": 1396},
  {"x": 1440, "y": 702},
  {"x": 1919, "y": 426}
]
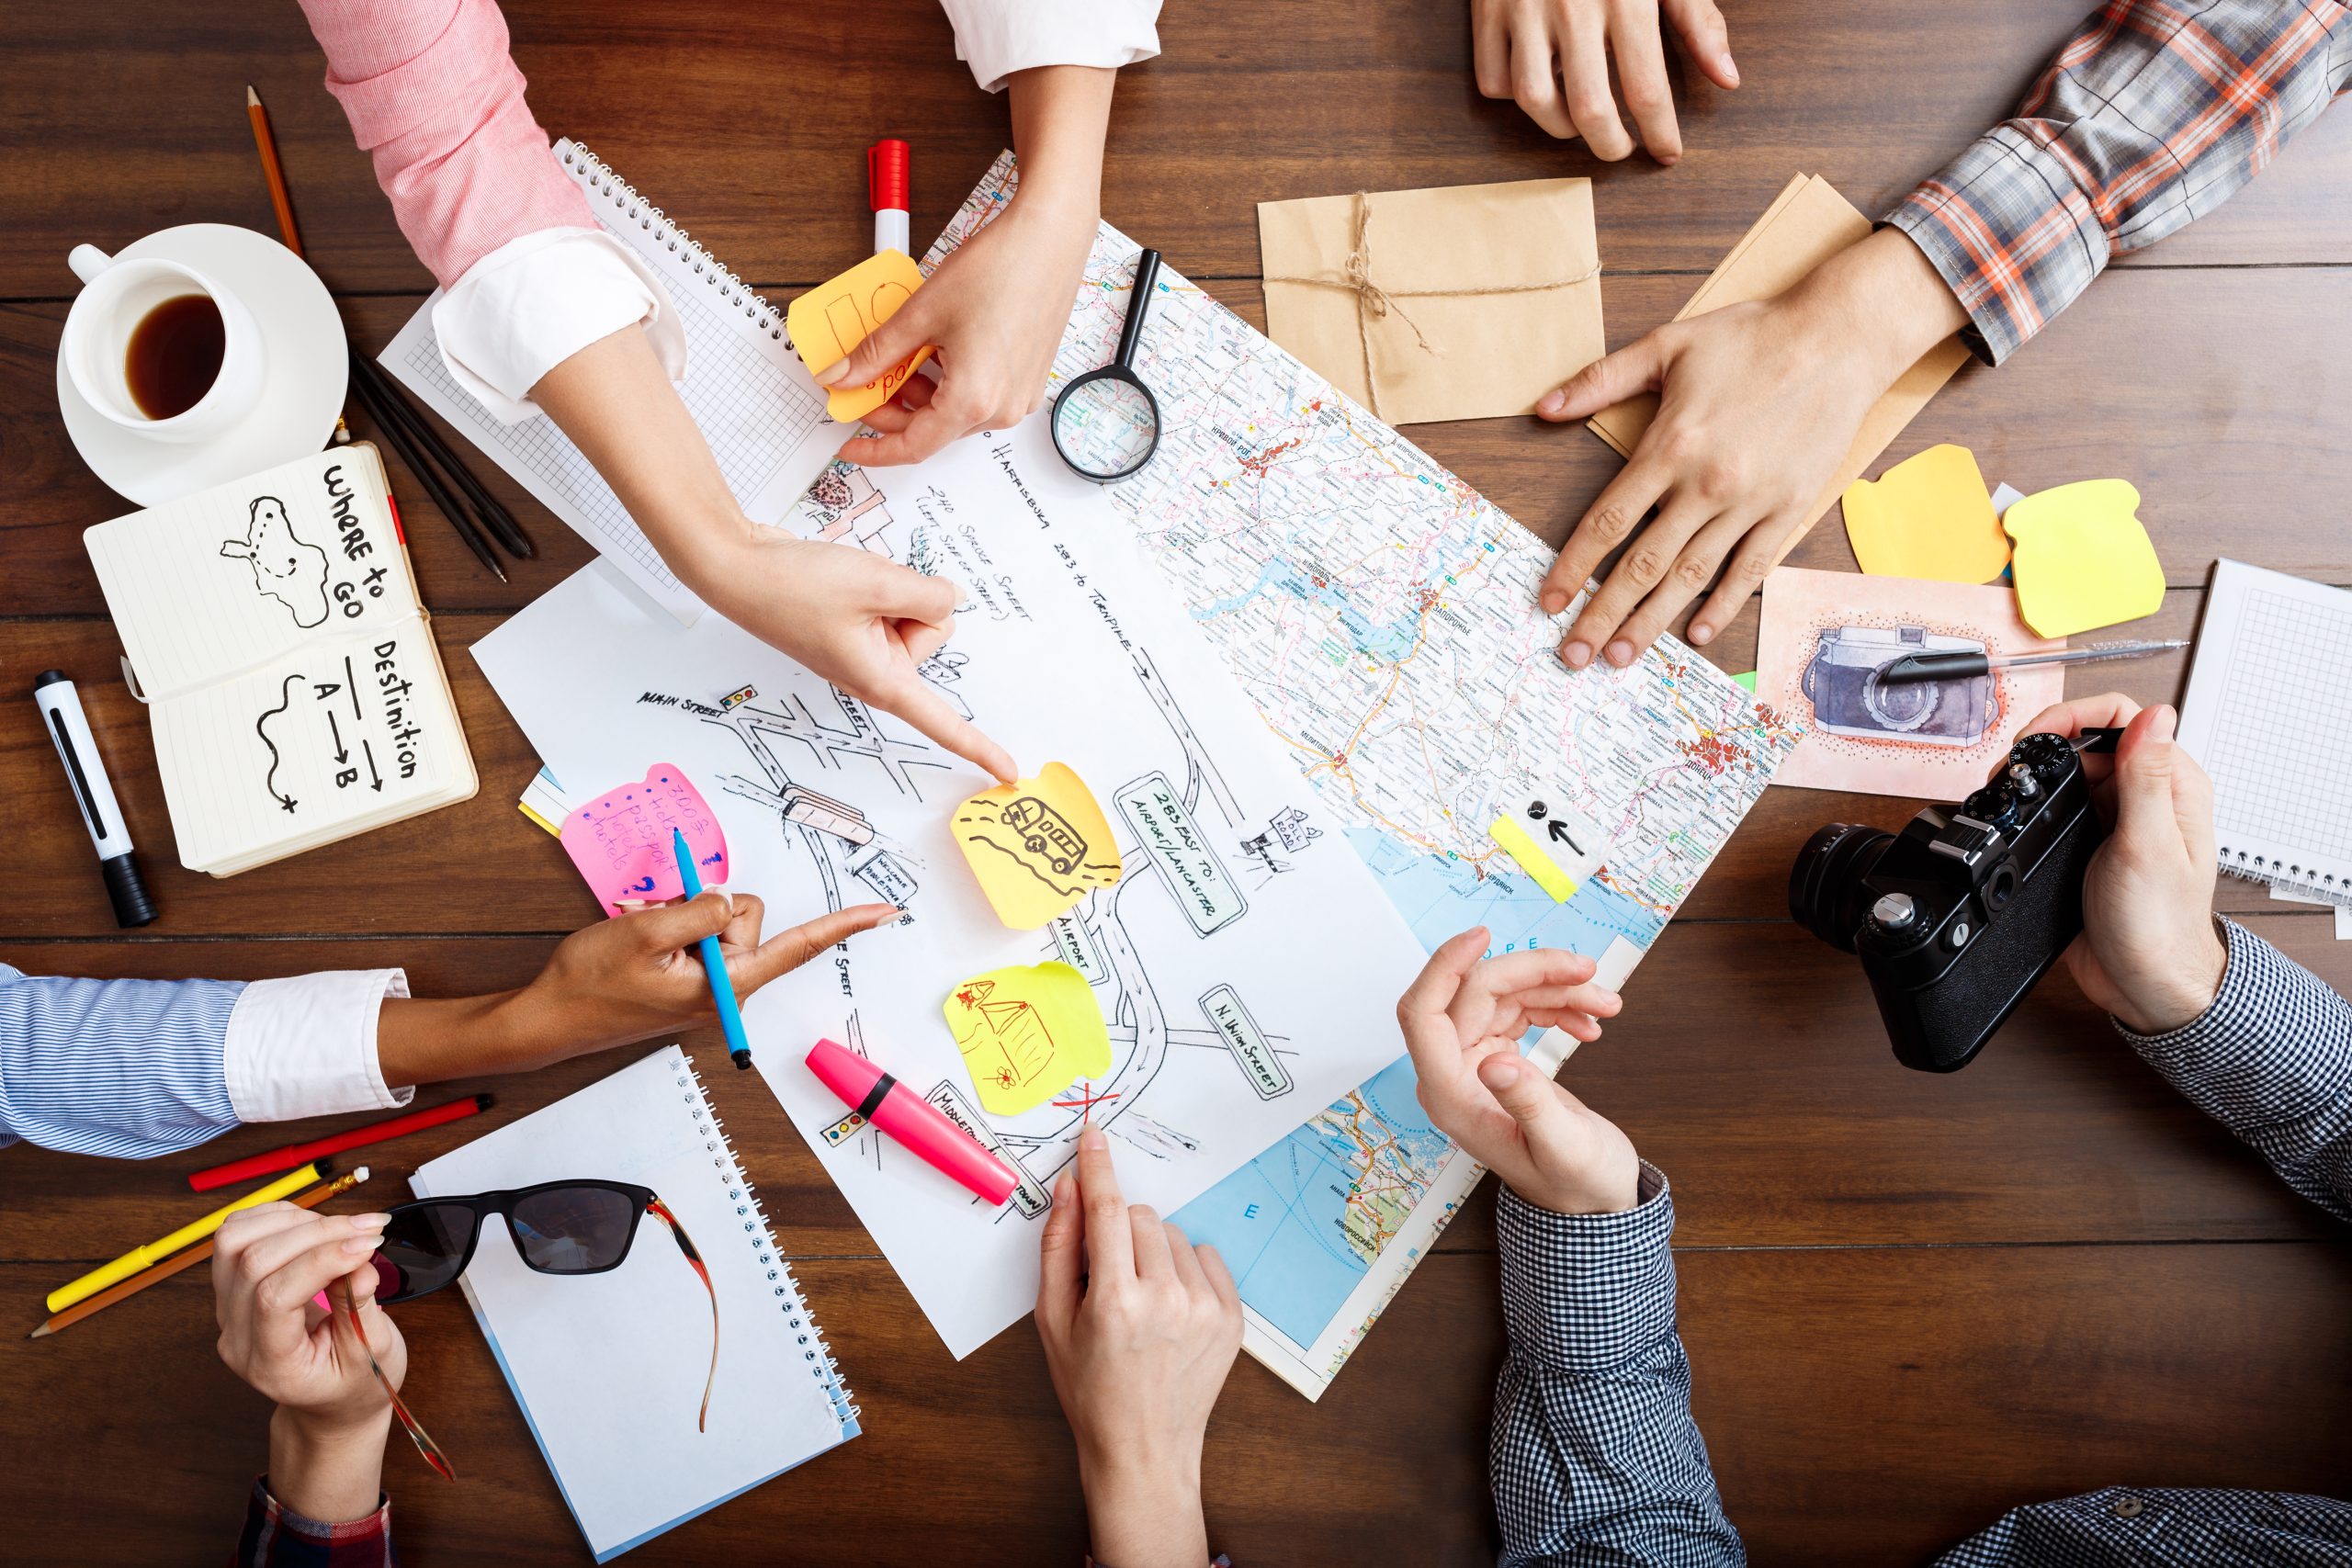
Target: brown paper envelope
[
  {"x": 1489, "y": 355},
  {"x": 1807, "y": 223}
]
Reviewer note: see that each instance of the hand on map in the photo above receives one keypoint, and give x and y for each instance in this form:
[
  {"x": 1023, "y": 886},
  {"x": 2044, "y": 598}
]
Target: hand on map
[
  {"x": 2148, "y": 952},
  {"x": 326, "y": 1441},
  {"x": 1758, "y": 406},
  {"x": 1140, "y": 1328},
  {"x": 1463, "y": 1019},
  {"x": 1517, "y": 42}
]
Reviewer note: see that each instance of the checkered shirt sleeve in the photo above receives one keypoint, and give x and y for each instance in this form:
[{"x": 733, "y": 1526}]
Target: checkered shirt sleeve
[
  {"x": 2154, "y": 113},
  {"x": 2271, "y": 1060},
  {"x": 1594, "y": 1456},
  {"x": 2121, "y": 1526}
]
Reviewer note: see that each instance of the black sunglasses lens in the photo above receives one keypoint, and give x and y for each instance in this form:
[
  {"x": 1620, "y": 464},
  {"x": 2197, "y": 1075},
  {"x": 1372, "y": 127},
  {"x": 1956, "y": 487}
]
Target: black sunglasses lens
[
  {"x": 573, "y": 1230},
  {"x": 424, "y": 1247}
]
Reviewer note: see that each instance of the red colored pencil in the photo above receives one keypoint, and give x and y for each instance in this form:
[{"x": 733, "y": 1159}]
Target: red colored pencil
[{"x": 293, "y": 1155}]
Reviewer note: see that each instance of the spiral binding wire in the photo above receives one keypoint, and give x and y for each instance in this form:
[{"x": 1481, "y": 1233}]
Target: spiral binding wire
[
  {"x": 2285, "y": 876},
  {"x": 813, "y": 1348},
  {"x": 602, "y": 184}
]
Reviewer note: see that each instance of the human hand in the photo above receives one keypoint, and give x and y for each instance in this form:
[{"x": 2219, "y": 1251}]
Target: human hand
[
  {"x": 1462, "y": 1018},
  {"x": 859, "y": 620},
  {"x": 1140, "y": 1328},
  {"x": 2148, "y": 951},
  {"x": 1516, "y": 42},
  {"x": 327, "y": 1436},
  {"x": 1758, "y": 406}
]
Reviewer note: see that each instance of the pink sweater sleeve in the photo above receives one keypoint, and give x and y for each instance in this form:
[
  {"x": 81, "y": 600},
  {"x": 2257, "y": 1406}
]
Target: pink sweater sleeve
[{"x": 437, "y": 100}]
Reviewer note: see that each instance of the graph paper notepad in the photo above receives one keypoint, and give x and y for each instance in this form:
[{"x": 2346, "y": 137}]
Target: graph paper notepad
[
  {"x": 764, "y": 417},
  {"x": 2268, "y": 714}
]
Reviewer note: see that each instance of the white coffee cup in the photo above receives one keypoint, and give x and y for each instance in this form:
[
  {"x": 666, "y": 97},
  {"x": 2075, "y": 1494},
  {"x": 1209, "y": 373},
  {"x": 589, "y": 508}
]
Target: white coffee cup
[{"x": 116, "y": 297}]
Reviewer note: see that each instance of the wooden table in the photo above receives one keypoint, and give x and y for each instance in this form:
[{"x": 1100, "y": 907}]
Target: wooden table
[{"x": 1910, "y": 1301}]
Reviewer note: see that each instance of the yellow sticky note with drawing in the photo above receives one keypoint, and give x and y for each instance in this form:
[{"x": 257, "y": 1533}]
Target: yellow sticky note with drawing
[
  {"x": 2083, "y": 559},
  {"x": 1037, "y": 846},
  {"x": 1028, "y": 1032},
  {"x": 841, "y": 312},
  {"x": 1928, "y": 517}
]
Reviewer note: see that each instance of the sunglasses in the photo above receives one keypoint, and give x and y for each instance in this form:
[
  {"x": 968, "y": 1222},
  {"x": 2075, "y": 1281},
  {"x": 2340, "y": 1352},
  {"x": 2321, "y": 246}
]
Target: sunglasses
[{"x": 557, "y": 1227}]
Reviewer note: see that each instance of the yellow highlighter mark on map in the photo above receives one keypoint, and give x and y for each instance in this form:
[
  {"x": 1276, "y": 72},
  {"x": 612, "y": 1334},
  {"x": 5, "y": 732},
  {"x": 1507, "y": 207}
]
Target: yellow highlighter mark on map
[
  {"x": 1037, "y": 846},
  {"x": 841, "y": 312},
  {"x": 1533, "y": 860},
  {"x": 1028, "y": 1032}
]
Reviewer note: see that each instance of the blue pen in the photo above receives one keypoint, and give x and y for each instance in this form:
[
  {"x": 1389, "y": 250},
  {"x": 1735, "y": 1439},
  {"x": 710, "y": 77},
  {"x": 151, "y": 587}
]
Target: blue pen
[{"x": 714, "y": 962}]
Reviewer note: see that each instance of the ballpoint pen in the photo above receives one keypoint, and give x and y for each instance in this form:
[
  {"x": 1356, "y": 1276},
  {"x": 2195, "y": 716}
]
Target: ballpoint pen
[
  {"x": 1961, "y": 666},
  {"x": 714, "y": 962}
]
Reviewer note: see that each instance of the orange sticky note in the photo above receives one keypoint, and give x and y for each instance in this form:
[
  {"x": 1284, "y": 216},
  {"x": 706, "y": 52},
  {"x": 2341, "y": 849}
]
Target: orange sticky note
[
  {"x": 1928, "y": 517},
  {"x": 1028, "y": 1032},
  {"x": 1037, "y": 846},
  {"x": 841, "y": 312},
  {"x": 2082, "y": 558}
]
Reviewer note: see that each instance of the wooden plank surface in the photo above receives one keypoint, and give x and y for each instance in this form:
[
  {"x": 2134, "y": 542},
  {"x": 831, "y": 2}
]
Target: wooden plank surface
[{"x": 1910, "y": 1302}]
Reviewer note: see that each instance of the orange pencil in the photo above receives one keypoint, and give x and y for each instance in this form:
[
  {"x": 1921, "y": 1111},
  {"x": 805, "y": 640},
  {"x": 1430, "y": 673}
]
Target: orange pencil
[
  {"x": 271, "y": 172},
  {"x": 173, "y": 1265}
]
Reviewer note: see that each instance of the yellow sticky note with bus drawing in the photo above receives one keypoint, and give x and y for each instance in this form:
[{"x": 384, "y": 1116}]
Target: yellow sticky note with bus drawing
[
  {"x": 1037, "y": 846},
  {"x": 841, "y": 312},
  {"x": 1028, "y": 1032}
]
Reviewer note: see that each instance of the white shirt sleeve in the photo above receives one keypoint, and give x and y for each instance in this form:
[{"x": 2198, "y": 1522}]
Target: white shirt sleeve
[
  {"x": 306, "y": 1045},
  {"x": 996, "y": 38},
  {"x": 536, "y": 302}
]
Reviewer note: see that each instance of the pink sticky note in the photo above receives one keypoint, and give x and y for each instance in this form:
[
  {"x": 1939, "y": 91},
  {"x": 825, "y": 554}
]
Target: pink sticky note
[{"x": 621, "y": 842}]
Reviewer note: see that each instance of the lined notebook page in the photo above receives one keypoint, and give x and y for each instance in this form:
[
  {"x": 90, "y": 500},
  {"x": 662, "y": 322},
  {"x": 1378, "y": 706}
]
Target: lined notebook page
[
  {"x": 238, "y": 576},
  {"x": 2268, "y": 714},
  {"x": 346, "y": 731},
  {"x": 609, "y": 1368},
  {"x": 762, "y": 416}
]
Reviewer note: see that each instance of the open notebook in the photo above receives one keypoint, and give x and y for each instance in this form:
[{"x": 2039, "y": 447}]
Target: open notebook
[
  {"x": 273, "y": 627},
  {"x": 609, "y": 1368},
  {"x": 762, "y": 416}
]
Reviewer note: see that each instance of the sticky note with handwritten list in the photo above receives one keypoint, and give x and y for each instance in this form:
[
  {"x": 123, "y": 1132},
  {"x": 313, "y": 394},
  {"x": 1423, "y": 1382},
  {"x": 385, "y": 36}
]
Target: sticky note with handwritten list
[
  {"x": 620, "y": 841},
  {"x": 1037, "y": 846},
  {"x": 1028, "y": 1032},
  {"x": 841, "y": 312}
]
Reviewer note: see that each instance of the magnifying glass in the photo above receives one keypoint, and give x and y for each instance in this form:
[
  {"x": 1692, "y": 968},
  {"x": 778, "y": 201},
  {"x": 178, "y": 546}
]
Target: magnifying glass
[{"x": 1106, "y": 423}]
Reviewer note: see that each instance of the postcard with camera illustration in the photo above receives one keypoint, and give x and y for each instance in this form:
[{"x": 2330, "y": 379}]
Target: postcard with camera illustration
[{"x": 1826, "y": 640}]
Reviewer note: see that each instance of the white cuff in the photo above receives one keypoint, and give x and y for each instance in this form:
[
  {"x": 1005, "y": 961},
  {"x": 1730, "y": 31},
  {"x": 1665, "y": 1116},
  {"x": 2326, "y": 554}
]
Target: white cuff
[
  {"x": 996, "y": 38},
  {"x": 536, "y": 302},
  {"x": 306, "y": 1045}
]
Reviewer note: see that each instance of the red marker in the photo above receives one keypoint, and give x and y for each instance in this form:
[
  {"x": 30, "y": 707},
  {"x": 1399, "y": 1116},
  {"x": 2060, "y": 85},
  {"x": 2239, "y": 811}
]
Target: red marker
[
  {"x": 292, "y": 1154},
  {"x": 887, "y": 184},
  {"x": 911, "y": 1120}
]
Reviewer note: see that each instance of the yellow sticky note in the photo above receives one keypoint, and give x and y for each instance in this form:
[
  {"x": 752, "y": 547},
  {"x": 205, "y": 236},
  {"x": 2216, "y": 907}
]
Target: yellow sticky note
[
  {"x": 1028, "y": 1032},
  {"x": 1037, "y": 846},
  {"x": 2083, "y": 559},
  {"x": 841, "y": 312},
  {"x": 1928, "y": 516},
  {"x": 1531, "y": 859}
]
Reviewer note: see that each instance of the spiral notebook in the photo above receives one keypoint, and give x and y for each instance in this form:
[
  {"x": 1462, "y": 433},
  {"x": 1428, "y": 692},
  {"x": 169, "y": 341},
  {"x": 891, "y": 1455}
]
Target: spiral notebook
[
  {"x": 746, "y": 387},
  {"x": 609, "y": 1369},
  {"x": 2268, "y": 714}
]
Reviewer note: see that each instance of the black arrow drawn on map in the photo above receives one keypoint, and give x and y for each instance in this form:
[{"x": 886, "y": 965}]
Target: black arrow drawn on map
[
  {"x": 375, "y": 779},
  {"x": 343, "y": 752},
  {"x": 1560, "y": 836}
]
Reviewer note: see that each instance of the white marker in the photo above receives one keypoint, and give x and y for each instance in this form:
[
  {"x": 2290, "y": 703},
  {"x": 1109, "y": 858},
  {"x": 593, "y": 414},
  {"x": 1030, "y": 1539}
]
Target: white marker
[{"x": 61, "y": 709}]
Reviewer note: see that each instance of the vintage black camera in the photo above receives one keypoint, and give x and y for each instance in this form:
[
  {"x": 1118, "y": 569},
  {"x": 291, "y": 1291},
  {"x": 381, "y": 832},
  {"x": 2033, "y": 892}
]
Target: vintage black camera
[{"x": 1956, "y": 916}]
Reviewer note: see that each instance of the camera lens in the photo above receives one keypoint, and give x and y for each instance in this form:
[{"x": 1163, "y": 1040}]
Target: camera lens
[{"x": 1825, "y": 894}]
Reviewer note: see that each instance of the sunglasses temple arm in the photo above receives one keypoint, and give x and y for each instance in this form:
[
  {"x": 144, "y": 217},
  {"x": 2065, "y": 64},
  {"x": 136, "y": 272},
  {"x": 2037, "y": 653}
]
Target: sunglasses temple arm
[
  {"x": 660, "y": 1211},
  {"x": 416, "y": 1434}
]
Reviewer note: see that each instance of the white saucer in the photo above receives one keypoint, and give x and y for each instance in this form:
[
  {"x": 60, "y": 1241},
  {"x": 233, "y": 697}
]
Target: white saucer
[{"x": 302, "y": 386}]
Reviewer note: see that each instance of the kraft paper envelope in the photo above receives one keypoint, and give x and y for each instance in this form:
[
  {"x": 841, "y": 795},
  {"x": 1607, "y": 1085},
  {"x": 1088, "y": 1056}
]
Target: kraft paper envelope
[
  {"x": 1500, "y": 282},
  {"x": 1807, "y": 223}
]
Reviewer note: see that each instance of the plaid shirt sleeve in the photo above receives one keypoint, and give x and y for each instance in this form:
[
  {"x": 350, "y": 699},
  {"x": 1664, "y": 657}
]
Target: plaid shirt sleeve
[
  {"x": 2153, "y": 115},
  {"x": 1594, "y": 1456},
  {"x": 277, "y": 1537},
  {"x": 2271, "y": 1060}
]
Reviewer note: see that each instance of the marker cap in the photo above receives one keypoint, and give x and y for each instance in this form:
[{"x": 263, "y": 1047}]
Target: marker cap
[{"x": 125, "y": 892}]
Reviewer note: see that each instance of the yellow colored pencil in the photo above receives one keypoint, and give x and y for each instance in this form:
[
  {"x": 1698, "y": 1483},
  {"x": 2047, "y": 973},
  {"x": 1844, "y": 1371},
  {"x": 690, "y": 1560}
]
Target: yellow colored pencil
[{"x": 139, "y": 1258}]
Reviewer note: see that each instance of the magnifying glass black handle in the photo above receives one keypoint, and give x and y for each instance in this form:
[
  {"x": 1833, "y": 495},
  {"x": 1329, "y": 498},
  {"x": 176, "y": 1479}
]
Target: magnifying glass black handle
[{"x": 1138, "y": 306}]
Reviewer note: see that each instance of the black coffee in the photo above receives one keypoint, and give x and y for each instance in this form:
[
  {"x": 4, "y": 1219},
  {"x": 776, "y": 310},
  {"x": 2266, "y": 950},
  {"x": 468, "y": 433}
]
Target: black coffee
[{"x": 174, "y": 355}]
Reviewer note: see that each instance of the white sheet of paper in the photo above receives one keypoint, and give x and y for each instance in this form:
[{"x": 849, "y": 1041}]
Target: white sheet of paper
[{"x": 1068, "y": 649}]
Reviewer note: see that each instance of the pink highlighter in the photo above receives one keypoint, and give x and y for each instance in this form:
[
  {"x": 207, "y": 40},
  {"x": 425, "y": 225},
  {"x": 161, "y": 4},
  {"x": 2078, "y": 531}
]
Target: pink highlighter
[{"x": 911, "y": 1120}]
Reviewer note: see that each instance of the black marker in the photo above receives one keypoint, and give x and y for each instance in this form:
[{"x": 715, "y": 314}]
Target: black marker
[{"x": 61, "y": 706}]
